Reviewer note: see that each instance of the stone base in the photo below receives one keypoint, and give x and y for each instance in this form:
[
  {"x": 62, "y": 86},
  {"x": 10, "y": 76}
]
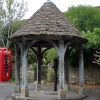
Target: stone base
[
  {"x": 62, "y": 93},
  {"x": 13, "y": 96},
  {"x": 48, "y": 95},
  {"x": 24, "y": 92},
  {"x": 67, "y": 87},
  {"x": 82, "y": 91},
  {"x": 17, "y": 89},
  {"x": 38, "y": 87}
]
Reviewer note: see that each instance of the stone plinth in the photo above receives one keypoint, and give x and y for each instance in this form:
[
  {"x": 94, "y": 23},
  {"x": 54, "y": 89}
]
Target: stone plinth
[
  {"x": 62, "y": 93},
  {"x": 38, "y": 87},
  {"x": 25, "y": 93},
  {"x": 17, "y": 89}
]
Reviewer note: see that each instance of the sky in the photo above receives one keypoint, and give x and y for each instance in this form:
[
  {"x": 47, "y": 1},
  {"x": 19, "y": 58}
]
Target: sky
[{"x": 34, "y": 5}]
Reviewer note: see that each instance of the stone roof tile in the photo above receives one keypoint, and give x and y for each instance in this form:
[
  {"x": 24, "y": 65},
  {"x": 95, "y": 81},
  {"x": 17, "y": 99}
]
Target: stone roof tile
[{"x": 48, "y": 21}]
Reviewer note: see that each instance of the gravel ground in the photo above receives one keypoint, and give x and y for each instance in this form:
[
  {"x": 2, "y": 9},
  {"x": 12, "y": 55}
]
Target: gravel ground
[{"x": 6, "y": 89}]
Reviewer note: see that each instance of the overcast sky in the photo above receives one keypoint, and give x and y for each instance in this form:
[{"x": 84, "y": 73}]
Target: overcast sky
[{"x": 34, "y": 5}]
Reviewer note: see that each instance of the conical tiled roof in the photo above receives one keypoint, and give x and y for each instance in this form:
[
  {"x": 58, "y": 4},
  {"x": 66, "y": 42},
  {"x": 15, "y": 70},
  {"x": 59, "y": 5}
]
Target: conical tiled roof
[{"x": 48, "y": 23}]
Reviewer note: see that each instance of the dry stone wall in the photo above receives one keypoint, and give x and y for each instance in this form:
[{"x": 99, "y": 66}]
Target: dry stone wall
[{"x": 91, "y": 75}]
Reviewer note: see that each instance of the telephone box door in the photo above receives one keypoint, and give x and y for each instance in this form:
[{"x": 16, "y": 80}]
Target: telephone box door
[{"x": 5, "y": 64}]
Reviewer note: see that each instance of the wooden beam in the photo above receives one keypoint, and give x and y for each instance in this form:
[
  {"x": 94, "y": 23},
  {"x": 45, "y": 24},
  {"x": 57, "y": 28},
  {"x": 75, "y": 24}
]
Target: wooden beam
[
  {"x": 45, "y": 51},
  {"x": 34, "y": 51}
]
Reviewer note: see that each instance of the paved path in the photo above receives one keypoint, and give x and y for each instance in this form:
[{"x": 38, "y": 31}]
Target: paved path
[
  {"x": 6, "y": 89},
  {"x": 93, "y": 94}
]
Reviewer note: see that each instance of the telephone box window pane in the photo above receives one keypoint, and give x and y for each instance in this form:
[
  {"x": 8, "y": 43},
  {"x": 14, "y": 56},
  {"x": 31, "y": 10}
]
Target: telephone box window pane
[
  {"x": 6, "y": 70},
  {"x": 6, "y": 56},
  {"x": 5, "y": 61},
  {"x": 6, "y": 67},
  {"x": 6, "y": 64}
]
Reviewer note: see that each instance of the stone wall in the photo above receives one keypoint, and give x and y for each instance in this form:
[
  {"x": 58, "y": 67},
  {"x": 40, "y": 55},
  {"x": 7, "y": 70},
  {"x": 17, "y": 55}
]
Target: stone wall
[{"x": 91, "y": 75}]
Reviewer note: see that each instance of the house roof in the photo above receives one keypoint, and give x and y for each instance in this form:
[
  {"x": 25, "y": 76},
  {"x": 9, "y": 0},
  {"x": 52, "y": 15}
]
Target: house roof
[{"x": 48, "y": 23}]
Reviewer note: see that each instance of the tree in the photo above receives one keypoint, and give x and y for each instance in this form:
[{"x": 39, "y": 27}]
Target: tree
[
  {"x": 92, "y": 45},
  {"x": 93, "y": 37},
  {"x": 10, "y": 11},
  {"x": 31, "y": 57},
  {"x": 51, "y": 54},
  {"x": 87, "y": 20},
  {"x": 15, "y": 25},
  {"x": 84, "y": 17}
]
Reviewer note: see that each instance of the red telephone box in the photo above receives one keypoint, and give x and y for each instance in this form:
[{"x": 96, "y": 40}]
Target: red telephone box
[{"x": 5, "y": 64}]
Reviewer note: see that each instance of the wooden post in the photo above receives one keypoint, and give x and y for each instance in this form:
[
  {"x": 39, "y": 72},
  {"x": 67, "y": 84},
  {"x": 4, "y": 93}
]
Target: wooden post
[
  {"x": 67, "y": 59},
  {"x": 17, "y": 69},
  {"x": 55, "y": 79},
  {"x": 39, "y": 55},
  {"x": 55, "y": 73},
  {"x": 24, "y": 91},
  {"x": 62, "y": 90},
  {"x": 81, "y": 71},
  {"x": 39, "y": 62}
]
